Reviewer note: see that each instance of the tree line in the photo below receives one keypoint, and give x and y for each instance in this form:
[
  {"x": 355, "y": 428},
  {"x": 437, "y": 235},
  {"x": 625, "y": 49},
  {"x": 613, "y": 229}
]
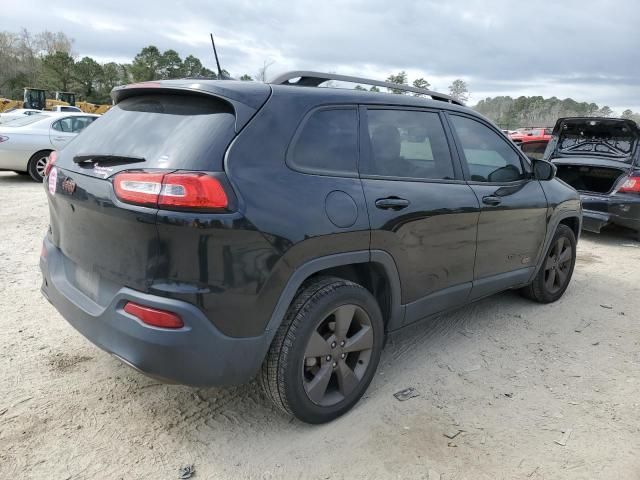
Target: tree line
[
  {"x": 48, "y": 60},
  {"x": 458, "y": 88},
  {"x": 508, "y": 112}
]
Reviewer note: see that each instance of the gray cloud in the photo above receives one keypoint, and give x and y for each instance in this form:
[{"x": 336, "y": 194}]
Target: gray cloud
[{"x": 584, "y": 49}]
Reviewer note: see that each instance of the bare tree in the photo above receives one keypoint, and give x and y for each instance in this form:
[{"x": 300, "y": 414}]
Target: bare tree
[{"x": 261, "y": 76}]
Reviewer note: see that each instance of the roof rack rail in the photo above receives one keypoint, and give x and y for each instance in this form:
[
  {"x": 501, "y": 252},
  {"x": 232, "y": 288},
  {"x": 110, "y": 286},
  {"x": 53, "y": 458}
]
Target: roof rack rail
[{"x": 314, "y": 79}]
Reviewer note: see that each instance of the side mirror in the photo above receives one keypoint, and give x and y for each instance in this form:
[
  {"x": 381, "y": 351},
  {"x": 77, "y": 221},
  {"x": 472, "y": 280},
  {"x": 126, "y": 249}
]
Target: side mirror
[{"x": 543, "y": 170}]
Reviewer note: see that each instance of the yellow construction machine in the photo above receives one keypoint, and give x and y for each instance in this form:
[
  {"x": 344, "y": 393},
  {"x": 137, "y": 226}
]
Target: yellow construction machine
[{"x": 36, "y": 98}]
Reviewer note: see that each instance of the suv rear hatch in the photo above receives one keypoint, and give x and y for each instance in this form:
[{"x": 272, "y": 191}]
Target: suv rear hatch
[
  {"x": 594, "y": 155},
  {"x": 154, "y": 130}
]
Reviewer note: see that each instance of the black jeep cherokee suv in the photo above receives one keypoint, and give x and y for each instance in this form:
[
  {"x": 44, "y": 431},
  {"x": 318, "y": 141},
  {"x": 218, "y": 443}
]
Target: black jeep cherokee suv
[{"x": 205, "y": 232}]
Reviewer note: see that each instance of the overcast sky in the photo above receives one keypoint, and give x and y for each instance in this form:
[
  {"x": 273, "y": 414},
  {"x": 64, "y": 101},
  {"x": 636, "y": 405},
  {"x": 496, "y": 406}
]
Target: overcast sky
[{"x": 585, "y": 49}]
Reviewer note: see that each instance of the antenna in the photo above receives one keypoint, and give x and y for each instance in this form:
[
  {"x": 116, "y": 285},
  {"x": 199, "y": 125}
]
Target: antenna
[{"x": 221, "y": 75}]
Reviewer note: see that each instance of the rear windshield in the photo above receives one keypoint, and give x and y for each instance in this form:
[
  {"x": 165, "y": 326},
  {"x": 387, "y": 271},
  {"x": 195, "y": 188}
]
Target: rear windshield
[
  {"x": 189, "y": 132},
  {"x": 26, "y": 120},
  {"x": 597, "y": 138}
]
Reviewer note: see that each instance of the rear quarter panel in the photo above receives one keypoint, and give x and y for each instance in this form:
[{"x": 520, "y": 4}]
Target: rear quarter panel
[{"x": 287, "y": 206}]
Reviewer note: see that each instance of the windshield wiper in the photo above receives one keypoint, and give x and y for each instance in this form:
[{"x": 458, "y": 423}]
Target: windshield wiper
[{"x": 105, "y": 160}]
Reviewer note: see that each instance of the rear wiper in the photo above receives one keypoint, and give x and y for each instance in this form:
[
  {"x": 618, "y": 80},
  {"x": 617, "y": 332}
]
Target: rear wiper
[{"x": 105, "y": 160}]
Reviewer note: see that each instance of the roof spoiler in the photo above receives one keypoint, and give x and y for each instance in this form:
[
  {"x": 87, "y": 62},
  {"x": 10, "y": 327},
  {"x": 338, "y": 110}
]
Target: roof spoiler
[{"x": 314, "y": 79}]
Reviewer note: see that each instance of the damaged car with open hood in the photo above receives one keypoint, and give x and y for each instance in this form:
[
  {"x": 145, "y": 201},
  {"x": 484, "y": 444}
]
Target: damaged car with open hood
[{"x": 600, "y": 158}]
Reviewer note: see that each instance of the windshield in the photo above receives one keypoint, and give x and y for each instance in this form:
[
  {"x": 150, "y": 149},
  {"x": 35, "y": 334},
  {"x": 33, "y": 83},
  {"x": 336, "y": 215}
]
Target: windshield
[{"x": 26, "y": 120}]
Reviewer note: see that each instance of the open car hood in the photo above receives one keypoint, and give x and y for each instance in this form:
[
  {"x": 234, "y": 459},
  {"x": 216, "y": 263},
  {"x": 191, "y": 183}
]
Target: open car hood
[{"x": 607, "y": 138}]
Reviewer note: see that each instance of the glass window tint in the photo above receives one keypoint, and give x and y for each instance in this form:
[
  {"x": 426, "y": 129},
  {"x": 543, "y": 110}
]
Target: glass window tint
[
  {"x": 64, "y": 125},
  {"x": 534, "y": 150},
  {"x": 189, "y": 132},
  {"x": 489, "y": 157},
  {"x": 328, "y": 142},
  {"x": 80, "y": 123},
  {"x": 409, "y": 144}
]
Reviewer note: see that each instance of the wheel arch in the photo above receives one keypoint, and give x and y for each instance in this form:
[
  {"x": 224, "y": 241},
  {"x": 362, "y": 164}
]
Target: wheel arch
[
  {"x": 570, "y": 218},
  {"x": 375, "y": 270},
  {"x": 573, "y": 223}
]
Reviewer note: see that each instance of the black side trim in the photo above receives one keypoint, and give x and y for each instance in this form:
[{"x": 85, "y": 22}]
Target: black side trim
[
  {"x": 437, "y": 302},
  {"x": 486, "y": 286}
]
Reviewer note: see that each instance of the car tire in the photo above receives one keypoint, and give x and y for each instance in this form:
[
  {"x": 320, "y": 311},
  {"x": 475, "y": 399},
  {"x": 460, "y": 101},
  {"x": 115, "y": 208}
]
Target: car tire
[
  {"x": 325, "y": 353},
  {"x": 554, "y": 275},
  {"x": 36, "y": 165}
]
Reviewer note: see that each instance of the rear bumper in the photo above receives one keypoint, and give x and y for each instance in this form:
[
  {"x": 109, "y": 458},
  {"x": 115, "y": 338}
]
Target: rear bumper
[
  {"x": 617, "y": 209},
  {"x": 197, "y": 354}
]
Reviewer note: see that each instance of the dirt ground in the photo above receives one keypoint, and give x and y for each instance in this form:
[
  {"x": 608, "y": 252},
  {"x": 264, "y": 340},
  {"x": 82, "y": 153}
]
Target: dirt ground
[{"x": 526, "y": 391}]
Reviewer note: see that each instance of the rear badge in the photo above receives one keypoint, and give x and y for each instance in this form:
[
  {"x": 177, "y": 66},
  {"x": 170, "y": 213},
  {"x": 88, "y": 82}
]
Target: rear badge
[
  {"x": 68, "y": 186},
  {"x": 53, "y": 180}
]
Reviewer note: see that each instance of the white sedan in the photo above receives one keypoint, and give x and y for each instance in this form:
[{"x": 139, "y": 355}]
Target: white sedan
[{"x": 25, "y": 143}]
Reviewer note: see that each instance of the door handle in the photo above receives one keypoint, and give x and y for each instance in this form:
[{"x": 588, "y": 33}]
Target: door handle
[
  {"x": 392, "y": 203},
  {"x": 60, "y": 139},
  {"x": 491, "y": 200}
]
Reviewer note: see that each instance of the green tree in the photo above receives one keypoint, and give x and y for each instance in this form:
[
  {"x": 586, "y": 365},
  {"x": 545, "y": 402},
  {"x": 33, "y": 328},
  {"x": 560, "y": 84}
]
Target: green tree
[
  {"x": 88, "y": 72},
  {"x": 146, "y": 64},
  {"x": 246, "y": 77},
  {"x": 459, "y": 90},
  {"x": 374, "y": 89},
  {"x": 359, "y": 87},
  {"x": 192, "y": 67},
  {"x": 401, "y": 79},
  {"x": 58, "y": 70},
  {"x": 170, "y": 65},
  {"x": 627, "y": 114},
  {"x": 421, "y": 83},
  {"x": 112, "y": 75}
]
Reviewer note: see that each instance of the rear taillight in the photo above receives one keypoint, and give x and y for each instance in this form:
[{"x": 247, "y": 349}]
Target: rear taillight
[
  {"x": 53, "y": 156},
  {"x": 631, "y": 185},
  {"x": 138, "y": 188},
  {"x": 153, "y": 316},
  {"x": 3, "y": 138},
  {"x": 192, "y": 190},
  {"x": 171, "y": 190}
]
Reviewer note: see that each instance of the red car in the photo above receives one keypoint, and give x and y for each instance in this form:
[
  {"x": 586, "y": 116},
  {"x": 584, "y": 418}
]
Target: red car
[{"x": 530, "y": 134}]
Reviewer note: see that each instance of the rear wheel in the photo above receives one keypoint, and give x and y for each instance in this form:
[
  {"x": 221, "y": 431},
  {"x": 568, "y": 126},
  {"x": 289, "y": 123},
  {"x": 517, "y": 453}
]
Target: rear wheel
[
  {"x": 326, "y": 351},
  {"x": 557, "y": 268},
  {"x": 37, "y": 164}
]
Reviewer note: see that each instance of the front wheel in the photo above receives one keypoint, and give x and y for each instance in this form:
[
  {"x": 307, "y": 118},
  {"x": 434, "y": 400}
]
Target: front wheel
[
  {"x": 555, "y": 273},
  {"x": 326, "y": 351}
]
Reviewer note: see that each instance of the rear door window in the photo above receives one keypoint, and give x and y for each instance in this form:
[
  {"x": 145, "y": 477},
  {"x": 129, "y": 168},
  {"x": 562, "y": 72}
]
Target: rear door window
[
  {"x": 489, "y": 156},
  {"x": 181, "y": 131},
  {"x": 408, "y": 144},
  {"x": 64, "y": 125},
  {"x": 80, "y": 123},
  {"x": 327, "y": 143}
]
